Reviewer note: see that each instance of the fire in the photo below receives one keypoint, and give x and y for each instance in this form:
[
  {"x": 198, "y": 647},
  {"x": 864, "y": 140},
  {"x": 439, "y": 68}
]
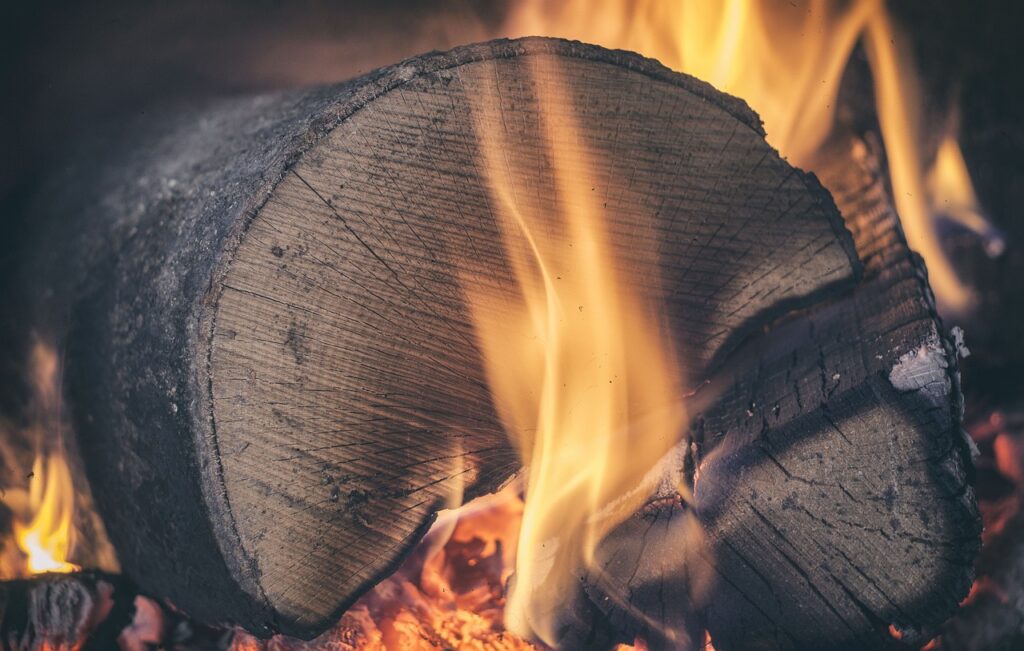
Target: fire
[
  {"x": 43, "y": 512},
  {"x": 580, "y": 369},
  {"x": 544, "y": 358},
  {"x": 787, "y": 61},
  {"x": 46, "y": 535},
  {"x": 449, "y": 593}
]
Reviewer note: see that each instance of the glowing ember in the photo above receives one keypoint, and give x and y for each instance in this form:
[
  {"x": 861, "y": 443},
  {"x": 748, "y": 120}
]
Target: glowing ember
[{"x": 449, "y": 594}]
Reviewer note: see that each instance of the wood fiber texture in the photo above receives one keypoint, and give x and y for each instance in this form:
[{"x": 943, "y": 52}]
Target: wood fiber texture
[{"x": 831, "y": 483}]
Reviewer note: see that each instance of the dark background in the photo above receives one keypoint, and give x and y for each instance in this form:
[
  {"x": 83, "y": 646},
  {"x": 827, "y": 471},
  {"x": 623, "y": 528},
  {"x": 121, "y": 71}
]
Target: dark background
[{"x": 69, "y": 68}]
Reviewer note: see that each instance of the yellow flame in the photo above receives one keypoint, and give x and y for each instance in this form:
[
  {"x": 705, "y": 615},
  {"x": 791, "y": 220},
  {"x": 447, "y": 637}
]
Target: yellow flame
[
  {"x": 951, "y": 192},
  {"x": 43, "y": 513},
  {"x": 47, "y": 537},
  {"x": 898, "y": 95},
  {"x": 580, "y": 369},
  {"x": 787, "y": 59}
]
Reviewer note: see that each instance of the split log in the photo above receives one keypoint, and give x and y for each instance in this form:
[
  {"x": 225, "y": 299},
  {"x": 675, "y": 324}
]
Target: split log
[
  {"x": 831, "y": 507},
  {"x": 271, "y": 366}
]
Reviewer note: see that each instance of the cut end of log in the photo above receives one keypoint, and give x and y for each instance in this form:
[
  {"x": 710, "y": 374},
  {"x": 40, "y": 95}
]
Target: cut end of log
[{"x": 348, "y": 402}]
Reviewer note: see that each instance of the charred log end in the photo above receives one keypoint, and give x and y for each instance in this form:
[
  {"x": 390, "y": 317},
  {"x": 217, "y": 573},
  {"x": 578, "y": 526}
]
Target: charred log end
[{"x": 840, "y": 512}]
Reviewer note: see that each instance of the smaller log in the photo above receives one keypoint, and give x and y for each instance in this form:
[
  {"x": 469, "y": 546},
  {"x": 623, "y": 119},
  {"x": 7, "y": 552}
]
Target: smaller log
[
  {"x": 95, "y": 611},
  {"x": 84, "y": 610},
  {"x": 830, "y": 477}
]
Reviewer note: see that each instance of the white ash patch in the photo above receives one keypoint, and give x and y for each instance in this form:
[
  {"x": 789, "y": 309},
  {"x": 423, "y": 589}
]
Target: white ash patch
[
  {"x": 962, "y": 351},
  {"x": 925, "y": 370}
]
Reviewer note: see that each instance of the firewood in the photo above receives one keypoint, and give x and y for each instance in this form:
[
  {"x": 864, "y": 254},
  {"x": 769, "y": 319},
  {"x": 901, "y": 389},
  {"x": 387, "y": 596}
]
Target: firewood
[
  {"x": 95, "y": 611},
  {"x": 272, "y": 368},
  {"x": 51, "y": 611},
  {"x": 831, "y": 505}
]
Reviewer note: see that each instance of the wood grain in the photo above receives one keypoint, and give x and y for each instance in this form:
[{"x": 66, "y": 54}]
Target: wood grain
[
  {"x": 348, "y": 395},
  {"x": 830, "y": 473}
]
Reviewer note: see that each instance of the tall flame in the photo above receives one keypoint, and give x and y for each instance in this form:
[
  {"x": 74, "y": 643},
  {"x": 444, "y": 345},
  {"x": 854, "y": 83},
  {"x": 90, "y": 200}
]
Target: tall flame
[
  {"x": 564, "y": 358},
  {"x": 43, "y": 512},
  {"x": 787, "y": 60},
  {"x": 580, "y": 369}
]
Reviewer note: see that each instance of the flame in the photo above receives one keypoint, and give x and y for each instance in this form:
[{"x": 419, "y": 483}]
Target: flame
[
  {"x": 580, "y": 369},
  {"x": 898, "y": 96},
  {"x": 46, "y": 536},
  {"x": 952, "y": 194},
  {"x": 787, "y": 61},
  {"x": 43, "y": 512}
]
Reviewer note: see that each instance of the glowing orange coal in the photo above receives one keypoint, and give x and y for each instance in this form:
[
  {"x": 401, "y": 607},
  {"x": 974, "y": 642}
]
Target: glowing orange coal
[{"x": 449, "y": 594}]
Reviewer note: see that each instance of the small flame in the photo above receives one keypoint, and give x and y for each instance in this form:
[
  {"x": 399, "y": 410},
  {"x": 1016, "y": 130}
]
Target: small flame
[
  {"x": 787, "y": 60},
  {"x": 580, "y": 369},
  {"x": 46, "y": 536},
  {"x": 43, "y": 512}
]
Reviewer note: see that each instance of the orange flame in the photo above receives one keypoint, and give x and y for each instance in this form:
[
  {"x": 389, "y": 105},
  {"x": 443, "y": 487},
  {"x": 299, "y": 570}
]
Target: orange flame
[
  {"x": 580, "y": 369},
  {"x": 787, "y": 60}
]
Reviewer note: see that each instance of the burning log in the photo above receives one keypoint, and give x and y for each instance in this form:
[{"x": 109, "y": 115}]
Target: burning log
[
  {"x": 275, "y": 381},
  {"x": 831, "y": 481}
]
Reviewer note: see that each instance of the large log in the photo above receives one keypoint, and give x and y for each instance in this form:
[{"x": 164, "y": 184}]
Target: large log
[{"x": 271, "y": 365}]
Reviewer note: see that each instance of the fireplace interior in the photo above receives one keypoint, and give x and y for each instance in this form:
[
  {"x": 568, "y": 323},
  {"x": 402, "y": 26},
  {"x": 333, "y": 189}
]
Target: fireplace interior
[{"x": 454, "y": 324}]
